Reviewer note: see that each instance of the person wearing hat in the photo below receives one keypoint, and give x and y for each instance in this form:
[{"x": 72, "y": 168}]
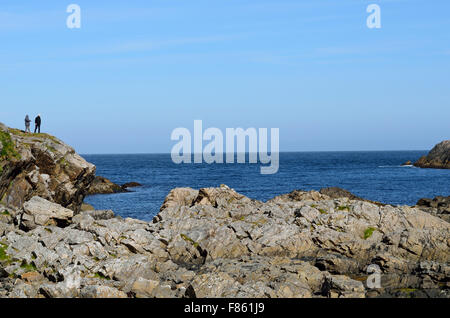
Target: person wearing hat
[{"x": 37, "y": 124}]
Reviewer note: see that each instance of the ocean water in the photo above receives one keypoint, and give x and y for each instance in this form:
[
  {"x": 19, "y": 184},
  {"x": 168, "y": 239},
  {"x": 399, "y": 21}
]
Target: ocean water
[{"x": 374, "y": 175}]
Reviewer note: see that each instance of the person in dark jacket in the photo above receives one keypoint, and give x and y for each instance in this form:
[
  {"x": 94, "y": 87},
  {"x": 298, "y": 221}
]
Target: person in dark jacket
[
  {"x": 27, "y": 124},
  {"x": 37, "y": 124}
]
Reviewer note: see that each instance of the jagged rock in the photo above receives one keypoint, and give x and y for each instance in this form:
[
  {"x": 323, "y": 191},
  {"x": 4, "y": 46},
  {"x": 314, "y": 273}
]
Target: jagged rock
[
  {"x": 38, "y": 211},
  {"x": 179, "y": 197},
  {"x": 342, "y": 235},
  {"x": 41, "y": 165},
  {"x": 299, "y": 195},
  {"x": 439, "y": 206},
  {"x": 101, "y": 185},
  {"x": 437, "y": 158},
  {"x": 336, "y": 193}
]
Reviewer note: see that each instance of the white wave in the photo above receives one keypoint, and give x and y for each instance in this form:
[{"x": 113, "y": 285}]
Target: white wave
[{"x": 397, "y": 166}]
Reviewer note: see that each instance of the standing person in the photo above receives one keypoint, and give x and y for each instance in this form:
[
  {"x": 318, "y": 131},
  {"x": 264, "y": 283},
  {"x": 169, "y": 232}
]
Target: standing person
[
  {"x": 37, "y": 124},
  {"x": 27, "y": 124}
]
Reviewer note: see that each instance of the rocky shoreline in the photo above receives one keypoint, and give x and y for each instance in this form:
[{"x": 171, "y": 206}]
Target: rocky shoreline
[
  {"x": 217, "y": 243},
  {"x": 211, "y": 242}
]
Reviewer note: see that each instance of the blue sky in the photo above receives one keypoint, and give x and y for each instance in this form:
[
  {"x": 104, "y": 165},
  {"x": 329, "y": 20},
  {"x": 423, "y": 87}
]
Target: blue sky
[{"x": 138, "y": 69}]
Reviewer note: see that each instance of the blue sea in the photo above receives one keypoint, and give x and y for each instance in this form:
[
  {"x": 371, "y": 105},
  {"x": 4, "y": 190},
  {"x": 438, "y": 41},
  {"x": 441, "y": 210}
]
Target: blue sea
[{"x": 374, "y": 175}]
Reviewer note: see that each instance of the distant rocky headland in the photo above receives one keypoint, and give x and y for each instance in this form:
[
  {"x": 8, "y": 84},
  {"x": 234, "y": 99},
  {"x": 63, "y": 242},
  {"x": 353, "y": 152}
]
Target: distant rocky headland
[
  {"x": 211, "y": 242},
  {"x": 437, "y": 158}
]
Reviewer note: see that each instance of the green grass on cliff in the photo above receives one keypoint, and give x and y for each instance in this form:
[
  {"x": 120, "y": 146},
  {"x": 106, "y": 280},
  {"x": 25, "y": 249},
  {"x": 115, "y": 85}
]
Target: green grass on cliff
[
  {"x": 8, "y": 150},
  {"x": 28, "y": 267},
  {"x": 3, "y": 255},
  {"x": 368, "y": 232},
  {"x": 38, "y": 136},
  {"x": 100, "y": 276},
  {"x": 322, "y": 211},
  {"x": 188, "y": 239}
]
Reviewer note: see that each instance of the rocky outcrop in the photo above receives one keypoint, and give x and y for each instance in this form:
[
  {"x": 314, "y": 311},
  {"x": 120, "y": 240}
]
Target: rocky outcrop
[
  {"x": 336, "y": 193},
  {"x": 437, "y": 158},
  {"x": 41, "y": 165},
  {"x": 323, "y": 194},
  {"x": 439, "y": 206},
  {"x": 131, "y": 185},
  {"x": 101, "y": 185},
  {"x": 215, "y": 242}
]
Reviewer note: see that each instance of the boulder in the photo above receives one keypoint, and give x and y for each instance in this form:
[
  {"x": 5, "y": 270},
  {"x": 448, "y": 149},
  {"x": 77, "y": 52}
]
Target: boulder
[
  {"x": 38, "y": 211},
  {"x": 437, "y": 158}
]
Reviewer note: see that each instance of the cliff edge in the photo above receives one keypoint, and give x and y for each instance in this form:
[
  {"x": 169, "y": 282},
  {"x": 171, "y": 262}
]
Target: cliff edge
[{"x": 41, "y": 165}]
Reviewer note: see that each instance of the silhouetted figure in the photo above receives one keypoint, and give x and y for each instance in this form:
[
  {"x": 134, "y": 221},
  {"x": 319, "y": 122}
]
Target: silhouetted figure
[
  {"x": 37, "y": 124},
  {"x": 27, "y": 124}
]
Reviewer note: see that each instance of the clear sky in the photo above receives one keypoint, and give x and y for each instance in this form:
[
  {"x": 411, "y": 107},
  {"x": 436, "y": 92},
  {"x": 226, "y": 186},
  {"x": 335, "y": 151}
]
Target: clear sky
[{"x": 138, "y": 69}]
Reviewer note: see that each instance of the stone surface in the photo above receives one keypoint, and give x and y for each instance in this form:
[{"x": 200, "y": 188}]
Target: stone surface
[{"x": 38, "y": 211}]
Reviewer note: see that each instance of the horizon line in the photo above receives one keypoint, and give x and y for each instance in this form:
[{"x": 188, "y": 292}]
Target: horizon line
[{"x": 303, "y": 151}]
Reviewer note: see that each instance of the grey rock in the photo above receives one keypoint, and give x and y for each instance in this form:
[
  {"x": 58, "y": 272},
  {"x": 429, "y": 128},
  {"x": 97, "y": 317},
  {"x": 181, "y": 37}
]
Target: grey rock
[{"x": 38, "y": 211}]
